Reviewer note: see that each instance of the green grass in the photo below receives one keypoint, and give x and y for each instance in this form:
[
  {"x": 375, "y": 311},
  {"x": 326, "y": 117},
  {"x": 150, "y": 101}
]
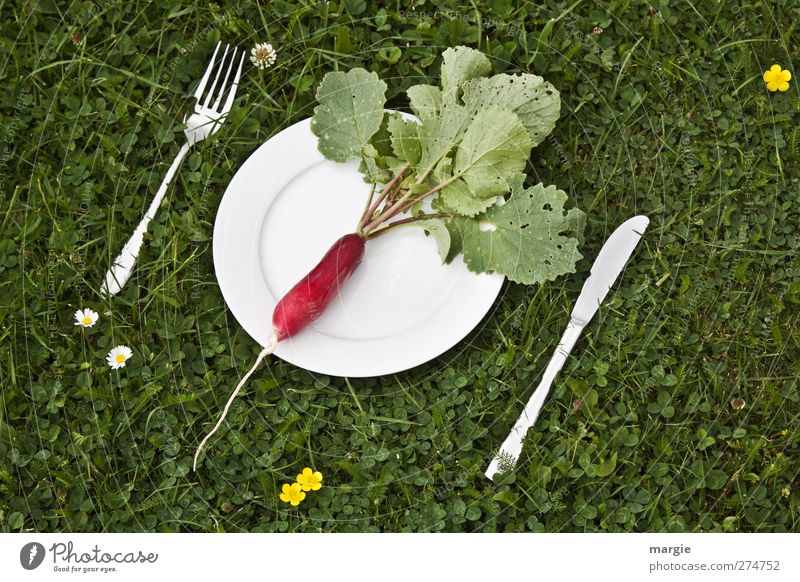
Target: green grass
[{"x": 664, "y": 113}]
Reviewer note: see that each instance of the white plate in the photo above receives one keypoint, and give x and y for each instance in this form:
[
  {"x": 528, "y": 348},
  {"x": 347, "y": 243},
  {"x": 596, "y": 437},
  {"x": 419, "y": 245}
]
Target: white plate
[{"x": 282, "y": 211}]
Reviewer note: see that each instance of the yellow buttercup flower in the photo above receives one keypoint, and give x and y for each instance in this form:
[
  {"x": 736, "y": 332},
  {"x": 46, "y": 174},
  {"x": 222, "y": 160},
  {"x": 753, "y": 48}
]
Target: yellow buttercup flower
[
  {"x": 777, "y": 79},
  {"x": 292, "y": 494},
  {"x": 310, "y": 480}
]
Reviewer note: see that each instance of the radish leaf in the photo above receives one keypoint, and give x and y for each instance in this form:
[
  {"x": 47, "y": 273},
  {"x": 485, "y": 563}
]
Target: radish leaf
[
  {"x": 533, "y": 99},
  {"x": 405, "y": 139},
  {"x": 521, "y": 239},
  {"x": 461, "y": 64},
  {"x": 382, "y": 139},
  {"x": 437, "y": 229},
  {"x": 425, "y": 101},
  {"x": 438, "y": 136},
  {"x": 375, "y": 156},
  {"x": 494, "y": 148},
  {"x": 349, "y": 113},
  {"x": 373, "y": 171},
  {"x": 456, "y": 198}
]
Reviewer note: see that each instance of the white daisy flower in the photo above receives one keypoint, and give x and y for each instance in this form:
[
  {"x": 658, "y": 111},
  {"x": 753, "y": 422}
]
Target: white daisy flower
[
  {"x": 263, "y": 55},
  {"x": 117, "y": 357},
  {"x": 86, "y": 317}
]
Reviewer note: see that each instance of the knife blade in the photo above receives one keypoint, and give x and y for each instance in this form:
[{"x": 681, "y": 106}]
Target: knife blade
[{"x": 604, "y": 272}]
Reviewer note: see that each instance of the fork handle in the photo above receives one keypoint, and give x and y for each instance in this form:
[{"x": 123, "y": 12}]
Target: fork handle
[
  {"x": 512, "y": 446},
  {"x": 122, "y": 267}
]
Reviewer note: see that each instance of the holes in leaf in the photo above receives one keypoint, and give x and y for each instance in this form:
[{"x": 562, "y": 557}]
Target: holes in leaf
[{"x": 547, "y": 207}]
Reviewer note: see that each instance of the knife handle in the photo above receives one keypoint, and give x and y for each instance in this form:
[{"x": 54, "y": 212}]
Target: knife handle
[{"x": 512, "y": 446}]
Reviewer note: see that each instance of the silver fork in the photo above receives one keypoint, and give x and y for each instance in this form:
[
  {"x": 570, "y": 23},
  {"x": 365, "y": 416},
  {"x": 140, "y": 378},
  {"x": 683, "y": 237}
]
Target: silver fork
[{"x": 203, "y": 122}]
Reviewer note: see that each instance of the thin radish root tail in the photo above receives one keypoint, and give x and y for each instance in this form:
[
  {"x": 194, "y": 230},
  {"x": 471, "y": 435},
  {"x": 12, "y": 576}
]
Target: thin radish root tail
[{"x": 271, "y": 344}]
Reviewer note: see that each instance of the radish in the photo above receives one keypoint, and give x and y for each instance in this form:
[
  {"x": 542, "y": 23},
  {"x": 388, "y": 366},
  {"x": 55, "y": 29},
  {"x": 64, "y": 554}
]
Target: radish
[{"x": 304, "y": 303}]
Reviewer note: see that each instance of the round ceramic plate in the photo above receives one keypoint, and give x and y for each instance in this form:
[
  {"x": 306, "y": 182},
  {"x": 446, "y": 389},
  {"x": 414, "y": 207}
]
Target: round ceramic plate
[{"x": 282, "y": 211}]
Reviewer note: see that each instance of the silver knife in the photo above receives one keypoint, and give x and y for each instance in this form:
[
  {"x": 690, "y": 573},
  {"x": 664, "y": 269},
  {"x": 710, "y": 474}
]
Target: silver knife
[{"x": 605, "y": 270}]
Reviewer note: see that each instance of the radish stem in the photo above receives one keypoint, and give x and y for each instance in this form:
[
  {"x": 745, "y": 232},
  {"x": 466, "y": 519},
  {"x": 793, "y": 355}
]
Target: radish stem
[
  {"x": 367, "y": 205},
  {"x": 424, "y": 195},
  {"x": 412, "y": 219},
  {"x": 386, "y": 191},
  {"x": 401, "y": 205},
  {"x": 386, "y": 213},
  {"x": 271, "y": 344}
]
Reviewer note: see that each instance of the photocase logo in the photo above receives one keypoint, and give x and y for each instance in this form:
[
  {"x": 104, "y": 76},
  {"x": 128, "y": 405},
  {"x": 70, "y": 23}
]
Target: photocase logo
[{"x": 31, "y": 555}]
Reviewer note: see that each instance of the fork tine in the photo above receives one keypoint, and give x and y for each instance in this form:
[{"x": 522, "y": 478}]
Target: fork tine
[
  {"x": 224, "y": 84},
  {"x": 199, "y": 92},
  {"x": 234, "y": 85},
  {"x": 210, "y": 92}
]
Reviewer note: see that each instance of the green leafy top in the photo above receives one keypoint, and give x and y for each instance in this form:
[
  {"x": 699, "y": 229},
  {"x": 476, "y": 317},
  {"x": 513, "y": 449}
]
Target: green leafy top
[
  {"x": 465, "y": 151},
  {"x": 349, "y": 113}
]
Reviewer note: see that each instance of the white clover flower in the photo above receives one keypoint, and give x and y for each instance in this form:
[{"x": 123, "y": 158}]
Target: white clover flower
[
  {"x": 117, "y": 357},
  {"x": 263, "y": 55},
  {"x": 86, "y": 317}
]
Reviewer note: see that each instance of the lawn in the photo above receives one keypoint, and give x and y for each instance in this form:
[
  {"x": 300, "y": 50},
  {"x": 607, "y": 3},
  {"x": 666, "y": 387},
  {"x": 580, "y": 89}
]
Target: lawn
[{"x": 678, "y": 410}]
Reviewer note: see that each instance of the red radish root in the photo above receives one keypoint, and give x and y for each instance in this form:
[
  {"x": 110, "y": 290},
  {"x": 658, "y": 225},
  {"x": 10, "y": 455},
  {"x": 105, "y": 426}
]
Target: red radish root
[
  {"x": 304, "y": 303},
  {"x": 307, "y": 300}
]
